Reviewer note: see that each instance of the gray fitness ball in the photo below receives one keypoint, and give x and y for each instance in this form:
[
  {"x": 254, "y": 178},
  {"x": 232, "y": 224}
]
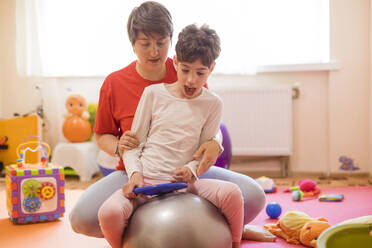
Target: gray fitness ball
[{"x": 181, "y": 220}]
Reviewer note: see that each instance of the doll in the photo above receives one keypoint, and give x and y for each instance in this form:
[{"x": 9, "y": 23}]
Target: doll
[
  {"x": 76, "y": 127},
  {"x": 298, "y": 228}
]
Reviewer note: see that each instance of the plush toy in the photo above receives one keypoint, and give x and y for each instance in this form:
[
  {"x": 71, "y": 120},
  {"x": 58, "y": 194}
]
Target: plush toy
[
  {"x": 267, "y": 184},
  {"x": 298, "y": 228},
  {"x": 307, "y": 186}
]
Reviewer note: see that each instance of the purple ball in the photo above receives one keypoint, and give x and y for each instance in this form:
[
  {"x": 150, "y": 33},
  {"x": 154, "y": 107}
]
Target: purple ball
[{"x": 224, "y": 159}]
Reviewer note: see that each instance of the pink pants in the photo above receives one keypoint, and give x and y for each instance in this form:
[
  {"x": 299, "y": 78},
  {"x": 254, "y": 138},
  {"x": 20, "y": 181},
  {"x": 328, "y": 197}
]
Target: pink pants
[{"x": 115, "y": 212}]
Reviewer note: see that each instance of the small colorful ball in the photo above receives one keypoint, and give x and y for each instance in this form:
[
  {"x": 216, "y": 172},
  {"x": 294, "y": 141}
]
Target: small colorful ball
[
  {"x": 297, "y": 195},
  {"x": 273, "y": 210}
]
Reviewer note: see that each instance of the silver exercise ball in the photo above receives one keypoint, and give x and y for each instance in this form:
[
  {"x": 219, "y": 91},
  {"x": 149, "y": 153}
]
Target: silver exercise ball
[{"x": 181, "y": 220}]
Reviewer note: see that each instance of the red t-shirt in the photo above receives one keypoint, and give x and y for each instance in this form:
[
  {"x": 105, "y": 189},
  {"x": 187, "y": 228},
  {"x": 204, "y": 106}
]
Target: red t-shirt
[{"x": 119, "y": 97}]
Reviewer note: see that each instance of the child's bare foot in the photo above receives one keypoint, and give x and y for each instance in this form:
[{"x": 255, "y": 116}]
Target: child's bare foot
[
  {"x": 235, "y": 245},
  {"x": 257, "y": 233}
]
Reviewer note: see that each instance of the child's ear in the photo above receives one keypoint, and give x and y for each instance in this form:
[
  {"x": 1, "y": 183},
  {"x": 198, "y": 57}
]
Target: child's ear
[
  {"x": 212, "y": 67},
  {"x": 175, "y": 62}
]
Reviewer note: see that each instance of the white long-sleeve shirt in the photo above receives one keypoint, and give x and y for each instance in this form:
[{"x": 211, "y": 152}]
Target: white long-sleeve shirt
[{"x": 170, "y": 130}]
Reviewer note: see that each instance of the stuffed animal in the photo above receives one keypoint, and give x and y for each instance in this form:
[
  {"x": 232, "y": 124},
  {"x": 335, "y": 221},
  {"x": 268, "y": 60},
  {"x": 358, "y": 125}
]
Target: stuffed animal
[{"x": 298, "y": 228}]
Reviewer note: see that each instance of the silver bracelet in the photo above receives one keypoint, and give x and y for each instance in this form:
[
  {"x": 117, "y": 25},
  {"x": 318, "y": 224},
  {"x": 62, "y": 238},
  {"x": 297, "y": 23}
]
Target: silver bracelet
[{"x": 117, "y": 150}]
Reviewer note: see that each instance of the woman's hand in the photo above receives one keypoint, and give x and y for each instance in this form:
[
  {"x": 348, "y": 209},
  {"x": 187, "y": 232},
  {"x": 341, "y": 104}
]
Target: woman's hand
[
  {"x": 136, "y": 180},
  {"x": 210, "y": 151},
  {"x": 127, "y": 141},
  {"x": 183, "y": 174}
]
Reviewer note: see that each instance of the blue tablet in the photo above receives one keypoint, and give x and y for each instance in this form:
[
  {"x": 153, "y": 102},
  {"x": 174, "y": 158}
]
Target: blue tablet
[{"x": 159, "y": 188}]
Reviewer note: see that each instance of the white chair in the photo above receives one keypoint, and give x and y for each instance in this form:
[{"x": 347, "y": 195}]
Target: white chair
[{"x": 79, "y": 156}]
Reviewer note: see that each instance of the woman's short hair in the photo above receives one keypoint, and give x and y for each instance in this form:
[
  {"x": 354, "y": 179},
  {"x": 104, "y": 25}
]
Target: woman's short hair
[{"x": 149, "y": 17}]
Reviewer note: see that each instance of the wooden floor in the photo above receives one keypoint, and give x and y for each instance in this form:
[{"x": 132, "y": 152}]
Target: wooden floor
[{"x": 57, "y": 234}]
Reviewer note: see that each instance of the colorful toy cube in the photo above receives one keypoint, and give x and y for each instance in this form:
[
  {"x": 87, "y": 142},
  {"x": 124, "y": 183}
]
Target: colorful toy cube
[
  {"x": 34, "y": 192},
  {"x": 35, "y": 195}
]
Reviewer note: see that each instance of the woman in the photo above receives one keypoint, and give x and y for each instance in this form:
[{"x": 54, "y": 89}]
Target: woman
[{"x": 150, "y": 31}]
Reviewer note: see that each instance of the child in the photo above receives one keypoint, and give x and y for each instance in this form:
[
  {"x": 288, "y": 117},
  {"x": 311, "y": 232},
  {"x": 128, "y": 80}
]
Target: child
[{"x": 171, "y": 122}]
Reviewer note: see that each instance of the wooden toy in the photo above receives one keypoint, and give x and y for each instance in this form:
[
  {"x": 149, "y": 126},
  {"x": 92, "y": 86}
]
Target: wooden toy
[{"x": 34, "y": 192}]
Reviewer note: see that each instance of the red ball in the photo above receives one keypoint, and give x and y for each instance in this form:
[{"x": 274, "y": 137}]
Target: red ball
[{"x": 307, "y": 185}]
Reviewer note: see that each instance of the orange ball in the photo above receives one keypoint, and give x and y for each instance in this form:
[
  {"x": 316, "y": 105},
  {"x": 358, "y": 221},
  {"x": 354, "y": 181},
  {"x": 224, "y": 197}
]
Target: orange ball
[{"x": 76, "y": 129}]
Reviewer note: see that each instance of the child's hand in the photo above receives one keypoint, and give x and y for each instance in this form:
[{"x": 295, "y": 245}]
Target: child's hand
[
  {"x": 127, "y": 141},
  {"x": 209, "y": 151},
  {"x": 136, "y": 180},
  {"x": 183, "y": 174}
]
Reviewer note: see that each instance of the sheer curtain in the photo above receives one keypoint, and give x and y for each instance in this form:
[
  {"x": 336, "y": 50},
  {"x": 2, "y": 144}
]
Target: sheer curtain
[{"x": 88, "y": 37}]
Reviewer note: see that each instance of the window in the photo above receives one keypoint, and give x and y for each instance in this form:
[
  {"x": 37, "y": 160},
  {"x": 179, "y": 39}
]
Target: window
[{"x": 88, "y": 37}]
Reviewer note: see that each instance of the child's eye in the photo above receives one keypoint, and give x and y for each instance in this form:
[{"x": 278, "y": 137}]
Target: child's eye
[
  {"x": 200, "y": 73},
  {"x": 145, "y": 44},
  {"x": 160, "y": 44},
  {"x": 185, "y": 71}
]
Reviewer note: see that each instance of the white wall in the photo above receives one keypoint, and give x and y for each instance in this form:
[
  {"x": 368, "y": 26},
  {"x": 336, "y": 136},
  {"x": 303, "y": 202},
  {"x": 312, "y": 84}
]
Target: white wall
[
  {"x": 370, "y": 119},
  {"x": 56, "y": 92},
  {"x": 349, "y": 87},
  {"x": 4, "y": 21},
  {"x": 310, "y": 113}
]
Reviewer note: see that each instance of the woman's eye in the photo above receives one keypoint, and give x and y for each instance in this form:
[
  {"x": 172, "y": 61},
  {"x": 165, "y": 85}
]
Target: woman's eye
[
  {"x": 185, "y": 71},
  {"x": 145, "y": 44},
  {"x": 160, "y": 44},
  {"x": 200, "y": 73}
]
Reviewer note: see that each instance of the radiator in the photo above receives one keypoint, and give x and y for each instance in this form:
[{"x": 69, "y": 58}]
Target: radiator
[{"x": 258, "y": 119}]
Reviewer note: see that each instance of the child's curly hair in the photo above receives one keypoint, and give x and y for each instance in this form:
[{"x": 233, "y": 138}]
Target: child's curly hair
[{"x": 198, "y": 43}]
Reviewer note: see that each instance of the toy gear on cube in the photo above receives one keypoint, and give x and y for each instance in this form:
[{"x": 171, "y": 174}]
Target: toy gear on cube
[
  {"x": 31, "y": 188},
  {"x": 31, "y": 204},
  {"x": 47, "y": 191}
]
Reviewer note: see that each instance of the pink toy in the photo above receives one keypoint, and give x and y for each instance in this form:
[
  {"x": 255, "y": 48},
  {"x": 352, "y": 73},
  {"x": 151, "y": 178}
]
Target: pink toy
[{"x": 307, "y": 186}]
